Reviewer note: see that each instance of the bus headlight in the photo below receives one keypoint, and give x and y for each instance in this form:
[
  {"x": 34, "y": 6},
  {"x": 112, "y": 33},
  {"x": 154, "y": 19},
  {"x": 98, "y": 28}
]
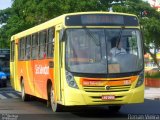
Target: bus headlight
[
  {"x": 70, "y": 80},
  {"x": 140, "y": 79}
]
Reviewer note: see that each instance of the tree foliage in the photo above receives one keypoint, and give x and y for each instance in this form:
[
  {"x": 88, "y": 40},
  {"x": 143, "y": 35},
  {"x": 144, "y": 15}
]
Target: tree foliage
[{"x": 24, "y": 14}]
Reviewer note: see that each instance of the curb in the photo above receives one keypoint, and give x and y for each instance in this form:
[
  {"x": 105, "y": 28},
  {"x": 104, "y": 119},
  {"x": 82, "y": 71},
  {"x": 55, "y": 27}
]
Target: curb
[
  {"x": 152, "y": 93},
  {"x": 152, "y": 98}
]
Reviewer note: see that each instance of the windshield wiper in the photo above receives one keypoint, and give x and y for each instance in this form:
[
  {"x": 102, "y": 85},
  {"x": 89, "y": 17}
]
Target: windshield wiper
[{"x": 96, "y": 41}]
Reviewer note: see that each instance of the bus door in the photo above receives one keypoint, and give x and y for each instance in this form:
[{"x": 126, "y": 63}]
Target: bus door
[{"x": 57, "y": 64}]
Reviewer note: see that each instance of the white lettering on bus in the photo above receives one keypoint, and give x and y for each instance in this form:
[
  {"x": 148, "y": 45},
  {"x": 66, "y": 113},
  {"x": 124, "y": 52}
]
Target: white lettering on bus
[{"x": 42, "y": 70}]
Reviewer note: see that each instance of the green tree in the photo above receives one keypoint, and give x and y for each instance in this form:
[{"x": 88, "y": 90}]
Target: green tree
[
  {"x": 25, "y": 14},
  {"x": 151, "y": 30},
  {"x": 149, "y": 19},
  {"x": 4, "y": 16}
]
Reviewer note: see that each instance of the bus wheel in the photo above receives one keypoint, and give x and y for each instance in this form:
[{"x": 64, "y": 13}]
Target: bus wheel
[
  {"x": 114, "y": 108},
  {"x": 55, "y": 106},
  {"x": 25, "y": 97}
]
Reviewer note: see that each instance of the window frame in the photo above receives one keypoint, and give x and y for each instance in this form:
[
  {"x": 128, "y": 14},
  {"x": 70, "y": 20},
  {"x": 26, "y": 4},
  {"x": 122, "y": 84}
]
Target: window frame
[
  {"x": 42, "y": 46},
  {"x": 28, "y": 38},
  {"x": 21, "y": 49},
  {"x": 50, "y": 42},
  {"x": 34, "y": 46}
]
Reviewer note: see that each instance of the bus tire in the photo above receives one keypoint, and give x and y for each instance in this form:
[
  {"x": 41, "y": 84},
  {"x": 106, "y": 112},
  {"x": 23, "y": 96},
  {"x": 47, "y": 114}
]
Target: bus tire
[
  {"x": 115, "y": 108},
  {"x": 25, "y": 97},
  {"x": 54, "y": 105}
]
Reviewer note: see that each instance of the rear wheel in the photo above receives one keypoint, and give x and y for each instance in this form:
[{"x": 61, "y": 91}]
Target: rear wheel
[
  {"x": 115, "y": 108},
  {"x": 25, "y": 97},
  {"x": 55, "y": 106}
]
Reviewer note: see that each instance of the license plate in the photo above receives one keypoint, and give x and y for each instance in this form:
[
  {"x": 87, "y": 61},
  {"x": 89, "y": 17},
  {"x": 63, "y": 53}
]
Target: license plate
[{"x": 108, "y": 97}]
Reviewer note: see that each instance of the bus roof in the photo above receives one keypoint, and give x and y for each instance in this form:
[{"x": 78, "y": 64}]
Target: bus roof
[
  {"x": 58, "y": 20},
  {"x": 100, "y": 12}
]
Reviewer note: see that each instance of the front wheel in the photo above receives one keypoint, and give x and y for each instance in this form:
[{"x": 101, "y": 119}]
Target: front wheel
[{"x": 55, "y": 106}]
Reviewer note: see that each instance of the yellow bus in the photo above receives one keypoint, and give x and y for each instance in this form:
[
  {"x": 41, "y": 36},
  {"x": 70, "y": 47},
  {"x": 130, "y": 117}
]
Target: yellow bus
[{"x": 78, "y": 59}]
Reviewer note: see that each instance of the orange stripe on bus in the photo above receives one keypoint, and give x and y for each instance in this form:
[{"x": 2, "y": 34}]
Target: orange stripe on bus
[{"x": 107, "y": 81}]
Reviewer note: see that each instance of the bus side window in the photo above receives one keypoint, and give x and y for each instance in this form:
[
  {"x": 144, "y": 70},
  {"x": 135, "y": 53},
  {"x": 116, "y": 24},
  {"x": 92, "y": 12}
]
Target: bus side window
[
  {"x": 42, "y": 43},
  {"x": 28, "y": 48},
  {"x": 22, "y": 49},
  {"x": 34, "y": 52},
  {"x": 50, "y": 42}
]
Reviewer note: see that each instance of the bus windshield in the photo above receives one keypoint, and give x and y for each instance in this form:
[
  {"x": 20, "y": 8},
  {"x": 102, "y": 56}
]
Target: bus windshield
[{"x": 103, "y": 51}]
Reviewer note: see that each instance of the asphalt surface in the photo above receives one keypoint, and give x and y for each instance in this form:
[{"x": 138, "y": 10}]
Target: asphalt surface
[{"x": 13, "y": 108}]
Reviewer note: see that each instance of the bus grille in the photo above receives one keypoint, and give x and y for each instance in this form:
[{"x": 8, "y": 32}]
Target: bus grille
[{"x": 103, "y": 88}]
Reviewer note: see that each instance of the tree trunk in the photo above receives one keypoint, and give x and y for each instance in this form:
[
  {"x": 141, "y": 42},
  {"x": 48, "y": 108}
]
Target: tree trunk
[{"x": 153, "y": 55}]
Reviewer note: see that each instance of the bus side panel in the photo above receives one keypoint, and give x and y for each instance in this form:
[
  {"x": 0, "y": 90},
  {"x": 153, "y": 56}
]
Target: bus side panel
[
  {"x": 50, "y": 77},
  {"x": 25, "y": 73},
  {"x": 14, "y": 68},
  {"x": 42, "y": 73},
  {"x": 12, "y": 74},
  {"x": 35, "y": 74},
  {"x": 12, "y": 64},
  {"x": 57, "y": 58}
]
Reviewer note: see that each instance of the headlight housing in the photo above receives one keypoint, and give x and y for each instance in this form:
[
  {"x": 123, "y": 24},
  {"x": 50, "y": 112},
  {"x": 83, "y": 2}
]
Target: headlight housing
[
  {"x": 140, "y": 79},
  {"x": 70, "y": 80}
]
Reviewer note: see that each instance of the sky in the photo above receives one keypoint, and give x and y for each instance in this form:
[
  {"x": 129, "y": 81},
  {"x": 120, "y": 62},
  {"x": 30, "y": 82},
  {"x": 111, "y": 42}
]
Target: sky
[{"x": 5, "y": 4}]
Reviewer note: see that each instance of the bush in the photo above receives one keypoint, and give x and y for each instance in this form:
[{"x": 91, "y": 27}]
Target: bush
[{"x": 152, "y": 74}]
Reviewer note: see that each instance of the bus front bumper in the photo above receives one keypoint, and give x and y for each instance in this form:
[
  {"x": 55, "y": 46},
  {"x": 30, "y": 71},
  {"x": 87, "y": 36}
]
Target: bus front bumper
[{"x": 80, "y": 97}]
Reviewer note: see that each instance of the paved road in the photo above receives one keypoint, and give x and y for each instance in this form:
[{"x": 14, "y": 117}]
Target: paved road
[
  {"x": 38, "y": 110},
  {"x": 152, "y": 93},
  {"x": 8, "y": 93},
  {"x": 11, "y": 107}
]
